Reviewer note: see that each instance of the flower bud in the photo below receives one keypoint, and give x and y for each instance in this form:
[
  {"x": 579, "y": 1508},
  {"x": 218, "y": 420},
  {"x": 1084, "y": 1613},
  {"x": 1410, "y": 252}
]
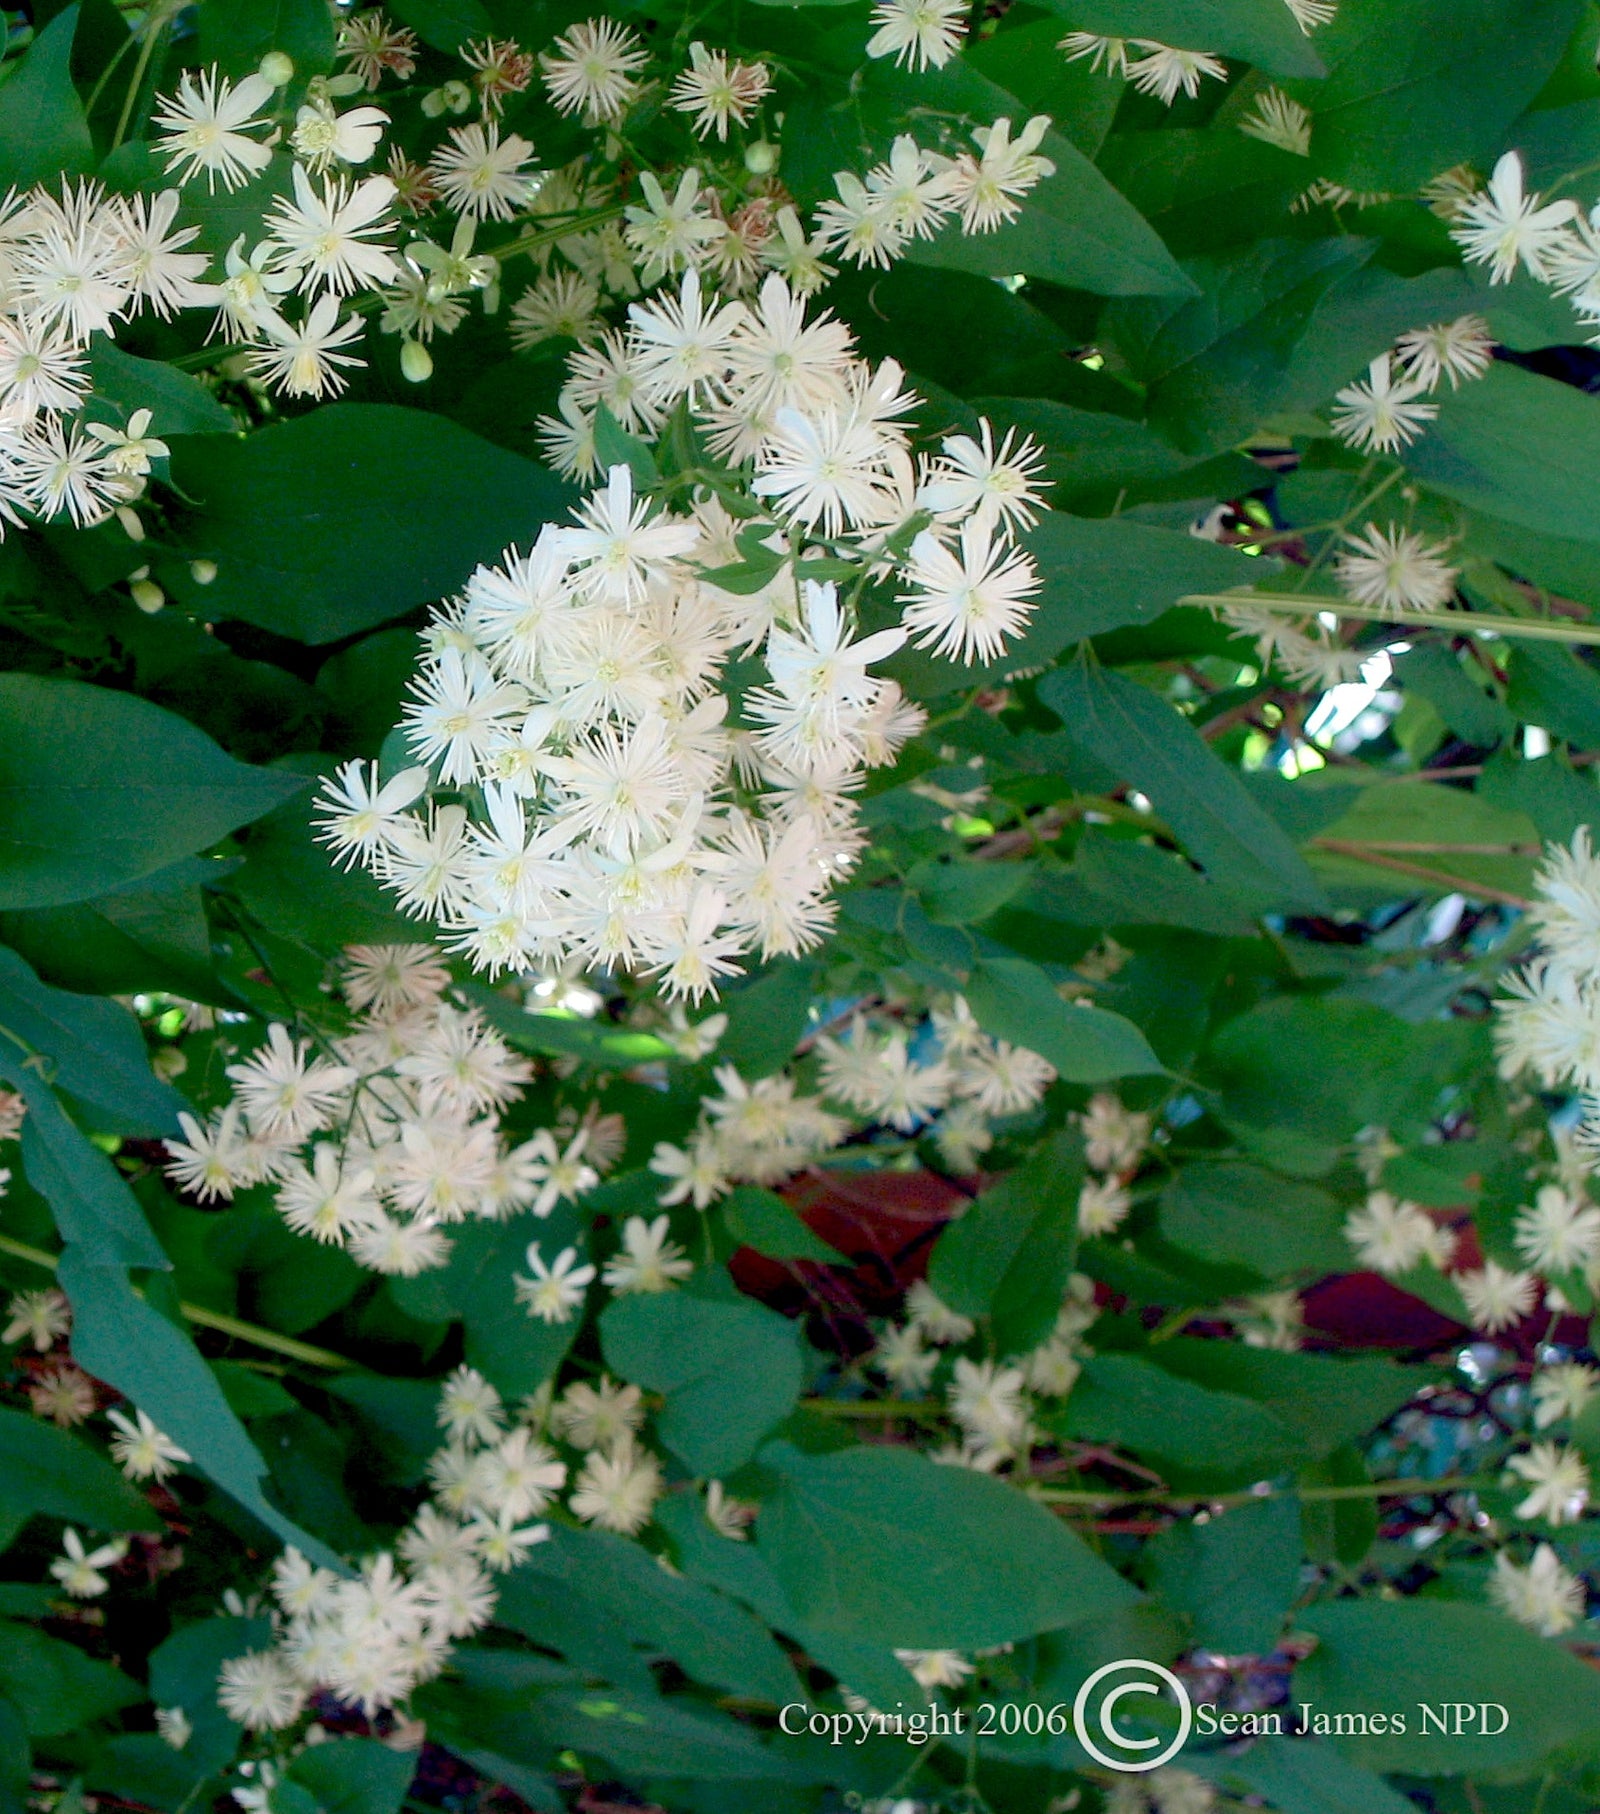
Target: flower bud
[
  {"x": 148, "y": 596},
  {"x": 132, "y": 523},
  {"x": 202, "y": 572},
  {"x": 761, "y": 157},
  {"x": 457, "y": 96},
  {"x": 168, "y": 1062},
  {"x": 277, "y": 68},
  {"x": 416, "y": 362}
]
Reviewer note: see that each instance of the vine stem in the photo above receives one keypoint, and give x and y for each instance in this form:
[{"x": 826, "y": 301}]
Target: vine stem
[
  {"x": 1477, "y": 623},
  {"x": 1371, "y": 1489},
  {"x": 211, "y": 1319}
]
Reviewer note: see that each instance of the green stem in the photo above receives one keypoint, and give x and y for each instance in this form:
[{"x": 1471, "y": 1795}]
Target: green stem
[
  {"x": 1372, "y": 1489},
  {"x": 1476, "y": 623},
  {"x": 210, "y": 1319},
  {"x": 154, "y": 26}
]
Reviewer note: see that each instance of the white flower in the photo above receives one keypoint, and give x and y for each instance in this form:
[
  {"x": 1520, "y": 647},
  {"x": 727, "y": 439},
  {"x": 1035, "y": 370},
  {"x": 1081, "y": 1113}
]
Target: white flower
[
  {"x": 203, "y": 127},
  {"x": 990, "y": 1404},
  {"x": 174, "y": 1727},
  {"x": 1103, "y": 1206},
  {"x": 1559, "y": 1479},
  {"x": 1278, "y": 120},
  {"x": 590, "y": 69},
  {"x": 260, "y": 1691},
  {"x": 988, "y": 189},
  {"x": 302, "y": 358},
  {"x": 1459, "y": 349},
  {"x": 617, "y": 1489},
  {"x": 717, "y": 91},
  {"x": 649, "y": 1261},
  {"x": 1112, "y": 53},
  {"x": 1503, "y": 227},
  {"x": 469, "y": 1407},
  {"x": 618, "y": 546},
  {"x": 330, "y": 1198},
  {"x": 40, "y": 1317},
  {"x": 919, "y": 34},
  {"x": 933, "y": 1319},
  {"x": 1395, "y": 570},
  {"x": 729, "y": 1518},
  {"x": 326, "y": 239},
  {"x": 555, "y": 1290},
  {"x": 1559, "y": 1232},
  {"x": 670, "y": 233},
  {"x": 78, "y": 1570},
  {"x": 141, "y": 1450},
  {"x": 1561, "y": 1391},
  {"x": 901, "y": 1358},
  {"x": 481, "y": 175},
  {"x": 1497, "y": 1298},
  {"x": 358, "y": 817},
  {"x": 323, "y": 137},
  {"x": 1113, "y": 1136},
  {"x": 282, "y": 1092},
  {"x": 1543, "y": 1595},
  {"x": 1381, "y": 413},
  {"x": 1000, "y": 487},
  {"x": 386, "y": 978},
  {"x": 1163, "y": 71},
  {"x": 677, "y": 345},
  {"x": 968, "y": 607},
  {"x": 936, "y": 1668},
  {"x": 599, "y": 1416},
  {"x": 1309, "y": 14}
]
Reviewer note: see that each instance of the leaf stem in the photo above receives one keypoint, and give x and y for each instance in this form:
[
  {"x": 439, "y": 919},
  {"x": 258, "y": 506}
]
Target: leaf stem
[
  {"x": 1478, "y": 623},
  {"x": 211, "y": 1319},
  {"x": 1372, "y": 1489}
]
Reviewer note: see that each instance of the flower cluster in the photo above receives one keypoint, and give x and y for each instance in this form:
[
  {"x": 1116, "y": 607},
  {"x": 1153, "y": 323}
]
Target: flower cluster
[
  {"x": 369, "y": 1639},
  {"x": 384, "y": 1135},
  {"x": 597, "y": 791},
  {"x": 944, "y": 1077}
]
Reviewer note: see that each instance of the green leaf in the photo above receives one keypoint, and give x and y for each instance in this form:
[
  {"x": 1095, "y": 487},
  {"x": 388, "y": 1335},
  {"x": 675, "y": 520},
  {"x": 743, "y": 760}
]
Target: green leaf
[
  {"x": 1306, "y": 1776},
  {"x": 92, "y": 1205},
  {"x": 1010, "y": 1254},
  {"x": 1518, "y": 447},
  {"x": 1262, "y": 32},
  {"x": 1556, "y": 688},
  {"x": 183, "y": 1673},
  {"x": 355, "y": 1776},
  {"x": 766, "y": 1017},
  {"x": 1245, "y": 1216},
  {"x": 730, "y": 1371},
  {"x": 514, "y": 1350},
  {"x": 1447, "y": 837},
  {"x": 179, "y": 404},
  {"x": 1198, "y": 1436},
  {"x": 95, "y": 1048},
  {"x": 55, "y": 1686},
  {"x": 237, "y": 34},
  {"x": 1458, "y": 693},
  {"x": 762, "y": 1220},
  {"x": 43, "y": 130},
  {"x": 98, "y": 789},
  {"x": 1015, "y": 1001},
  {"x": 1399, "y": 1653},
  {"x": 1235, "y": 1576},
  {"x": 123, "y": 1340},
  {"x": 709, "y": 1636},
  {"x": 43, "y": 1469},
  {"x": 445, "y": 24},
  {"x": 355, "y": 513},
  {"x": 1146, "y": 742},
  {"x": 961, "y": 893},
  {"x": 1277, "y": 327},
  {"x": 566, "y": 1035},
  {"x": 883, "y": 1545},
  {"x": 1329, "y": 1065},
  {"x": 1074, "y": 229},
  {"x": 1415, "y": 86}
]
